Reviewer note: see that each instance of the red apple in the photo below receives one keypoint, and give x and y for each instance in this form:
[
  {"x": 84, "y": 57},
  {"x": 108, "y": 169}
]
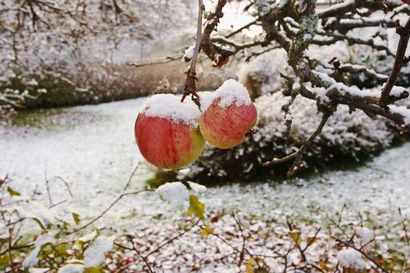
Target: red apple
[
  {"x": 230, "y": 115},
  {"x": 166, "y": 132}
]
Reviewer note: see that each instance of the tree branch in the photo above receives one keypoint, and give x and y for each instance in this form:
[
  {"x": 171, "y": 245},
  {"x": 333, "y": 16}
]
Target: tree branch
[{"x": 398, "y": 62}]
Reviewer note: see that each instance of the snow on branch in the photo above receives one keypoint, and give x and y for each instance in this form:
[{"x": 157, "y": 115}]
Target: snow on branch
[{"x": 295, "y": 26}]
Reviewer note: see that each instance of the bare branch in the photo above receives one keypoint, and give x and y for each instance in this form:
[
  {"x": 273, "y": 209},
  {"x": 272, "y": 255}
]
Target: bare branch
[
  {"x": 190, "y": 84},
  {"x": 398, "y": 62}
]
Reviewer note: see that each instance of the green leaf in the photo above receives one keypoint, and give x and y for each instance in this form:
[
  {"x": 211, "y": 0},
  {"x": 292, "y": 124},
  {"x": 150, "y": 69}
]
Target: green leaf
[
  {"x": 41, "y": 225},
  {"x": 196, "y": 207},
  {"x": 76, "y": 218},
  {"x": 13, "y": 192},
  {"x": 4, "y": 261},
  {"x": 61, "y": 249}
]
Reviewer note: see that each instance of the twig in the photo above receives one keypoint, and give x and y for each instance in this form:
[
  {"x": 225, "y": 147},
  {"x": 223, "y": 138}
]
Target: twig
[
  {"x": 143, "y": 258},
  {"x": 164, "y": 61},
  {"x": 190, "y": 84},
  {"x": 233, "y": 33},
  {"x": 297, "y": 155},
  {"x": 173, "y": 239},
  {"x": 363, "y": 253},
  {"x": 124, "y": 193}
]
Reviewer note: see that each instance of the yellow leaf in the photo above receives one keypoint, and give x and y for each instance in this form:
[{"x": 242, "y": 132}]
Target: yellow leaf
[
  {"x": 196, "y": 207},
  {"x": 206, "y": 231},
  {"x": 296, "y": 236}
]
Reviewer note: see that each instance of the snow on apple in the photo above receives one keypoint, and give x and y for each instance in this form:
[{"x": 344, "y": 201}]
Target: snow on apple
[
  {"x": 225, "y": 122},
  {"x": 166, "y": 132}
]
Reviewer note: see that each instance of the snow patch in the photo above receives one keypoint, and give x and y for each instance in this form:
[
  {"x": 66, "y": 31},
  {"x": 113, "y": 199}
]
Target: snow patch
[
  {"x": 189, "y": 53},
  {"x": 170, "y": 106},
  {"x": 263, "y": 72},
  {"x": 72, "y": 268},
  {"x": 95, "y": 253},
  {"x": 32, "y": 258},
  {"x": 232, "y": 91},
  {"x": 177, "y": 194},
  {"x": 350, "y": 258},
  {"x": 401, "y": 110},
  {"x": 366, "y": 238}
]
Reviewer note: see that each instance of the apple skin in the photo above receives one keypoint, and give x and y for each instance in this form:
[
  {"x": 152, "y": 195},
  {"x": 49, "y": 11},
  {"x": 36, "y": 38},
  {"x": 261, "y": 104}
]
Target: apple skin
[
  {"x": 167, "y": 144},
  {"x": 227, "y": 127}
]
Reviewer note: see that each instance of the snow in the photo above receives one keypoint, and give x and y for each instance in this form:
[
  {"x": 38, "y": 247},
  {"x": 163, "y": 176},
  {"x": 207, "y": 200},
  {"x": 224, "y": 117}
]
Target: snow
[
  {"x": 170, "y": 106},
  {"x": 34, "y": 209},
  {"x": 321, "y": 94},
  {"x": 352, "y": 259},
  {"x": 397, "y": 91},
  {"x": 38, "y": 270},
  {"x": 32, "y": 258},
  {"x": 393, "y": 37},
  {"x": 71, "y": 268},
  {"x": 189, "y": 53},
  {"x": 263, "y": 72},
  {"x": 338, "y": 130},
  {"x": 94, "y": 255},
  {"x": 402, "y": 111},
  {"x": 88, "y": 237},
  {"x": 232, "y": 91},
  {"x": 177, "y": 194},
  {"x": 206, "y": 98},
  {"x": 366, "y": 238},
  {"x": 97, "y": 164}
]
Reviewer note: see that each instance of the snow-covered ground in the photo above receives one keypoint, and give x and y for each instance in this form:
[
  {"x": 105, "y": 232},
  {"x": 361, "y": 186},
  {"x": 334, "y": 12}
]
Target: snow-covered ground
[{"x": 93, "y": 149}]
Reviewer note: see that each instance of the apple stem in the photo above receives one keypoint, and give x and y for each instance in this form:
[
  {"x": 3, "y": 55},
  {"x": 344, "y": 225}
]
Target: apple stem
[{"x": 190, "y": 84}]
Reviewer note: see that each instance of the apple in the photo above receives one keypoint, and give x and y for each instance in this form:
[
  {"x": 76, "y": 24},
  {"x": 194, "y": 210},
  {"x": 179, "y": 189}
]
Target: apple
[
  {"x": 227, "y": 118},
  {"x": 167, "y": 133}
]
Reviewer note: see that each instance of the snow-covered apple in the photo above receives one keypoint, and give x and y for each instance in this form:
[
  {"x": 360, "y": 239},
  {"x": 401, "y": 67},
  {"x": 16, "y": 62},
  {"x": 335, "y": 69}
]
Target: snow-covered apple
[
  {"x": 228, "y": 116},
  {"x": 166, "y": 132}
]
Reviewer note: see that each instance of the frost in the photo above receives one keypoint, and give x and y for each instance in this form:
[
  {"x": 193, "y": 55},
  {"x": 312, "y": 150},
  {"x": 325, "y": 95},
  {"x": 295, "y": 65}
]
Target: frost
[
  {"x": 350, "y": 258},
  {"x": 71, "y": 268},
  {"x": 95, "y": 253},
  {"x": 32, "y": 258},
  {"x": 232, "y": 91},
  {"x": 170, "y": 106},
  {"x": 177, "y": 194}
]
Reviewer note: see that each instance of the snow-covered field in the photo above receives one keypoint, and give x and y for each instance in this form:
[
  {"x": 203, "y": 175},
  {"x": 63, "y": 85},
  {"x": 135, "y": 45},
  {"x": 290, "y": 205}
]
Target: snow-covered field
[{"x": 92, "y": 148}]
